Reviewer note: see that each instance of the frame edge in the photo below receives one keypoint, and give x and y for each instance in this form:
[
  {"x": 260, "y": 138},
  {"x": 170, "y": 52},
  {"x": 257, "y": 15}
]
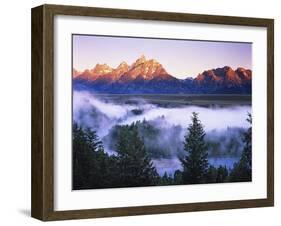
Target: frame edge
[
  {"x": 37, "y": 113},
  {"x": 42, "y": 205},
  {"x": 156, "y": 15},
  {"x": 270, "y": 111}
]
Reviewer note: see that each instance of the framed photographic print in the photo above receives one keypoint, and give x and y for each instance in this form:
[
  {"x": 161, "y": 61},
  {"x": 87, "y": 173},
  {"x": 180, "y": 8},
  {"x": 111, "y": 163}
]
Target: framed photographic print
[{"x": 141, "y": 112}]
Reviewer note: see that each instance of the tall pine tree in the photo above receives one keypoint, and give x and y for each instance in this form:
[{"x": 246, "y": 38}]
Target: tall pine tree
[
  {"x": 135, "y": 166},
  {"x": 195, "y": 163},
  {"x": 85, "y": 144}
]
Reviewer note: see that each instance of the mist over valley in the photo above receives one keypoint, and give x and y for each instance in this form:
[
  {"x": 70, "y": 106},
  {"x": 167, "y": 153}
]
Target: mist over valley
[{"x": 162, "y": 124}]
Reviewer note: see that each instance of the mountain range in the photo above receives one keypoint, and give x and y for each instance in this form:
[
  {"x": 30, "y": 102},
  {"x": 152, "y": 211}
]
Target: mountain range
[{"x": 150, "y": 77}]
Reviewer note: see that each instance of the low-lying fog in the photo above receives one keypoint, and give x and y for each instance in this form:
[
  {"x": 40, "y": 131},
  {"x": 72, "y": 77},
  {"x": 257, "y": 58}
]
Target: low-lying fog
[{"x": 223, "y": 127}]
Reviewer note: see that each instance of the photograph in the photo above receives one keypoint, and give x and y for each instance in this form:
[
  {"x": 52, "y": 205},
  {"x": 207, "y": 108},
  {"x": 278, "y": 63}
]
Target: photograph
[{"x": 150, "y": 111}]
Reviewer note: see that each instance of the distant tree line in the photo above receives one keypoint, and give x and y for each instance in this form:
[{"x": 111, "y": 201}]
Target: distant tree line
[
  {"x": 132, "y": 165},
  {"x": 159, "y": 141}
]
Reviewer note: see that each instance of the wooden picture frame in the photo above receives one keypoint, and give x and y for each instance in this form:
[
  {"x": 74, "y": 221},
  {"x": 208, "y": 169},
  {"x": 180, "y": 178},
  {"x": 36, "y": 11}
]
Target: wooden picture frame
[{"x": 42, "y": 204}]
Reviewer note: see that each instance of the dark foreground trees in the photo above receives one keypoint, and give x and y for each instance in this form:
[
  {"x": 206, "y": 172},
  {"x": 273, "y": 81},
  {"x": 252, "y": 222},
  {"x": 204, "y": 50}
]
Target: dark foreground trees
[
  {"x": 131, "y": 165},
  {"x": 94, "y": 168},
  {"x": 217, "y": 175},
  {"x": 196, "y": 168}
]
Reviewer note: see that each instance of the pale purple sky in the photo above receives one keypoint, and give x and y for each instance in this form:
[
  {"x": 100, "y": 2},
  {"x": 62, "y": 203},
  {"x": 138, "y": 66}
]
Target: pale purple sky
[{"x": 180, "y": 58}]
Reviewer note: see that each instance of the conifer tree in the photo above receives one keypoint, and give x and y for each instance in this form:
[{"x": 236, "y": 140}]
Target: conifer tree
[
  {"x": 195, "y": 163},
  {"x": 135, "y": 166},
  {"x": 90, "y": 162}
]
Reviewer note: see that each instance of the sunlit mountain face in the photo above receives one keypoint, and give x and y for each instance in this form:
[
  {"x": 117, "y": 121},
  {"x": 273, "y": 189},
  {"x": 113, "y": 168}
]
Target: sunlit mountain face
[{"x": 150, "y": 76}]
